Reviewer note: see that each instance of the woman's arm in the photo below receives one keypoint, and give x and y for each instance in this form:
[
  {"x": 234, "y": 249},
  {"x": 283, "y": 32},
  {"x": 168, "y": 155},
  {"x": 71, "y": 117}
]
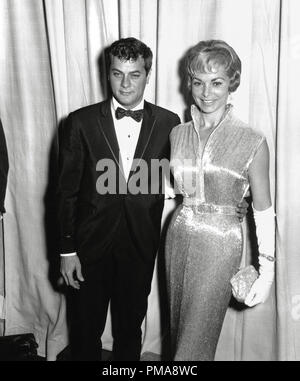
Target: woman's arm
[
  {"x": 259, "y": 178},
  {"x": 265, "y": 225}
]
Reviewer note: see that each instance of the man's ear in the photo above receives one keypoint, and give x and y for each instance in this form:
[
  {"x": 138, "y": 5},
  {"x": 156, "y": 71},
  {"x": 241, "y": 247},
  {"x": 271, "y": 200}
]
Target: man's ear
[{"x": 148, "y": 75}]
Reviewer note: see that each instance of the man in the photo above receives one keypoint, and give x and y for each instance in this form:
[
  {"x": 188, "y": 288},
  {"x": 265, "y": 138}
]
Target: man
[
  {"x": 109, "y": 233},
  {"x": 115, "y": 236},
  {"x": 3, "y": 169}
]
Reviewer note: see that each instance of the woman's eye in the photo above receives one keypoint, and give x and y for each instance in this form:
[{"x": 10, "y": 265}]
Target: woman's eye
[
  {"x": 196, "y": 83},
  {"x": 217, "y": 84}
]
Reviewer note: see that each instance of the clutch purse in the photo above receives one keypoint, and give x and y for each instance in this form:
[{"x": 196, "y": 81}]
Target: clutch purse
[{"x": 242, "y": 282}]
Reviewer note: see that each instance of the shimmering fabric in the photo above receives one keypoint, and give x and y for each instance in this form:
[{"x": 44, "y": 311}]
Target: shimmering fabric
[{"x": 204, "y": 239}]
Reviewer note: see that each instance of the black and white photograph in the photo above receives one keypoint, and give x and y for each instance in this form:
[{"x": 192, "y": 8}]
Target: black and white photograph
[{"x": 149, "y": 183}]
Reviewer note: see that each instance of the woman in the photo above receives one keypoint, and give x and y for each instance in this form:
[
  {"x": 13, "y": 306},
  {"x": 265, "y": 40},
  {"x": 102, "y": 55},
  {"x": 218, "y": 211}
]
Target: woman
[{"x": 215, "y": 159}]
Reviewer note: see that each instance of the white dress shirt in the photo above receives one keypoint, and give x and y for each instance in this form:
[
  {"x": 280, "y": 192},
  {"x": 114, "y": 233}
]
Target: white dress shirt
[{"x": 127, "y": 131}]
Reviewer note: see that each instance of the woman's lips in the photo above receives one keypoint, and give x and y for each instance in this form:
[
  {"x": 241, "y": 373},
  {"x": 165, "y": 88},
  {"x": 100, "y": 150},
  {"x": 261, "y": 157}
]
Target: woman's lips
[{"x": 207, "y": 102}]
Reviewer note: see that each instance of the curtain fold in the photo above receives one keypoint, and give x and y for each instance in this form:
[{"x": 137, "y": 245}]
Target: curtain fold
[
  {"x": 28, "y": 115},
  {"x": 288, "y": 183},
  {"x": 2, "y": 282},
  {"x": 51, "y": 63}
]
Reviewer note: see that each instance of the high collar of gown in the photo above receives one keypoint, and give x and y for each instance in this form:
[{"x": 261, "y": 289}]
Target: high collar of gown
[{"x": 197, "y": 115}]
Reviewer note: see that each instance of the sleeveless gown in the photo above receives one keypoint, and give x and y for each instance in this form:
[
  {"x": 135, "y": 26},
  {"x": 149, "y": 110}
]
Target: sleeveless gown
[{"x": 204, "y": 238}]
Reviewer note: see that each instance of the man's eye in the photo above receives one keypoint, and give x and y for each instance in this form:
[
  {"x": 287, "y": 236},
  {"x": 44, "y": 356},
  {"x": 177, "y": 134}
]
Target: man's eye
[
  {"x": 135, "y": 76},
  {"x": 116, "y": 74}
]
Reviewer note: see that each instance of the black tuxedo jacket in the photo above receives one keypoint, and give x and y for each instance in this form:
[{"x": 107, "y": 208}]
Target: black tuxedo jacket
[
  {"x": 3, "y": 168},
  {"x": 90, "y": 222}
]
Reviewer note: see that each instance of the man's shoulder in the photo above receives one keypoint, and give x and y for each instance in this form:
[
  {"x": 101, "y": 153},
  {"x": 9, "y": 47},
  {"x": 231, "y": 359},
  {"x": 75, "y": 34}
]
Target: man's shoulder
[
  {"x": 90, "y": 110},
  {"x": 161, "y": 111}
]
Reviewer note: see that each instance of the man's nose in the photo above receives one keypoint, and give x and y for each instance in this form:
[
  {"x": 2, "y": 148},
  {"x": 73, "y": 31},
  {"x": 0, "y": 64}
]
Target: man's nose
[{"x": 125, "y": 82}]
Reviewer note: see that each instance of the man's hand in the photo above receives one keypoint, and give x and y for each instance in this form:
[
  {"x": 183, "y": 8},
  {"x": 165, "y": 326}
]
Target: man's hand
[
  {"x": 70, "y": 268},
  {"x": 241, "y": 209}
]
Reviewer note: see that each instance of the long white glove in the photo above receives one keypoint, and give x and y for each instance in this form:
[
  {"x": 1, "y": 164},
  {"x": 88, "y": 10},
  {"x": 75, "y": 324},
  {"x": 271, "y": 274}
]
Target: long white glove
[{"x": 265, "y": 232}]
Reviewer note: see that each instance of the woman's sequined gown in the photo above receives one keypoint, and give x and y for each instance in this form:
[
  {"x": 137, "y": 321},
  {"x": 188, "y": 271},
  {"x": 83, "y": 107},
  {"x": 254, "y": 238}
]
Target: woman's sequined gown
[{"x": 204, "y": 239}]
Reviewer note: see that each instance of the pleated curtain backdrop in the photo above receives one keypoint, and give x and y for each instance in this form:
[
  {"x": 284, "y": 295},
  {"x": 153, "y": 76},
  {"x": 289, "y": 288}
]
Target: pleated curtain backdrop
[{"x": 51, "y": 63}]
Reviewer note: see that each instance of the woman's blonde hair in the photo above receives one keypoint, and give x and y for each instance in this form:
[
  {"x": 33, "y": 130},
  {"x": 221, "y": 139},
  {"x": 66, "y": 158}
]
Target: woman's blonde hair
[{"x": 206, "y": 55}]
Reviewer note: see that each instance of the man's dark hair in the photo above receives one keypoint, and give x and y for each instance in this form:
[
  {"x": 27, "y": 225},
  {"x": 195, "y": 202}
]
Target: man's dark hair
[{"x": 130, "y": 49}]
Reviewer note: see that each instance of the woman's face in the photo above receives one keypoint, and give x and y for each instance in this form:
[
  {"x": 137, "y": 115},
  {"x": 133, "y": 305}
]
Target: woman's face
[{"x": 210, "y": 90}]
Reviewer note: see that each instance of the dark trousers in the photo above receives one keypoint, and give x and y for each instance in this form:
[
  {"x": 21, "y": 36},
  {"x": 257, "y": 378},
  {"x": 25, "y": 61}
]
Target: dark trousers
[{"x": 123, "y": 278}]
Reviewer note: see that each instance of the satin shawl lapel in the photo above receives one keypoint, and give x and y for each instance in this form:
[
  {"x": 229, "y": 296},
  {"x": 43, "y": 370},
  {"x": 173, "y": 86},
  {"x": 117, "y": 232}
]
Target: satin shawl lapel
[
  {"x": 147, "y": 128},
  {"x": 107, "y": 129}
]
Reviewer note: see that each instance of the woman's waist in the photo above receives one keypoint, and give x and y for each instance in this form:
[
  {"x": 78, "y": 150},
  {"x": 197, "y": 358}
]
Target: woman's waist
[{"x": 208, "y": 208}]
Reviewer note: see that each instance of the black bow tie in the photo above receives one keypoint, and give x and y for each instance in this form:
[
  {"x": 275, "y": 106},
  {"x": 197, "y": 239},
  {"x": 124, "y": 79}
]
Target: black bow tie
[{"x": 136, "y": 115}]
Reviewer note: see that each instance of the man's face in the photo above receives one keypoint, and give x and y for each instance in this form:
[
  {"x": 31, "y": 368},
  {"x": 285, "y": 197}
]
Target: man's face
[{"x": 128, "y": 80}]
